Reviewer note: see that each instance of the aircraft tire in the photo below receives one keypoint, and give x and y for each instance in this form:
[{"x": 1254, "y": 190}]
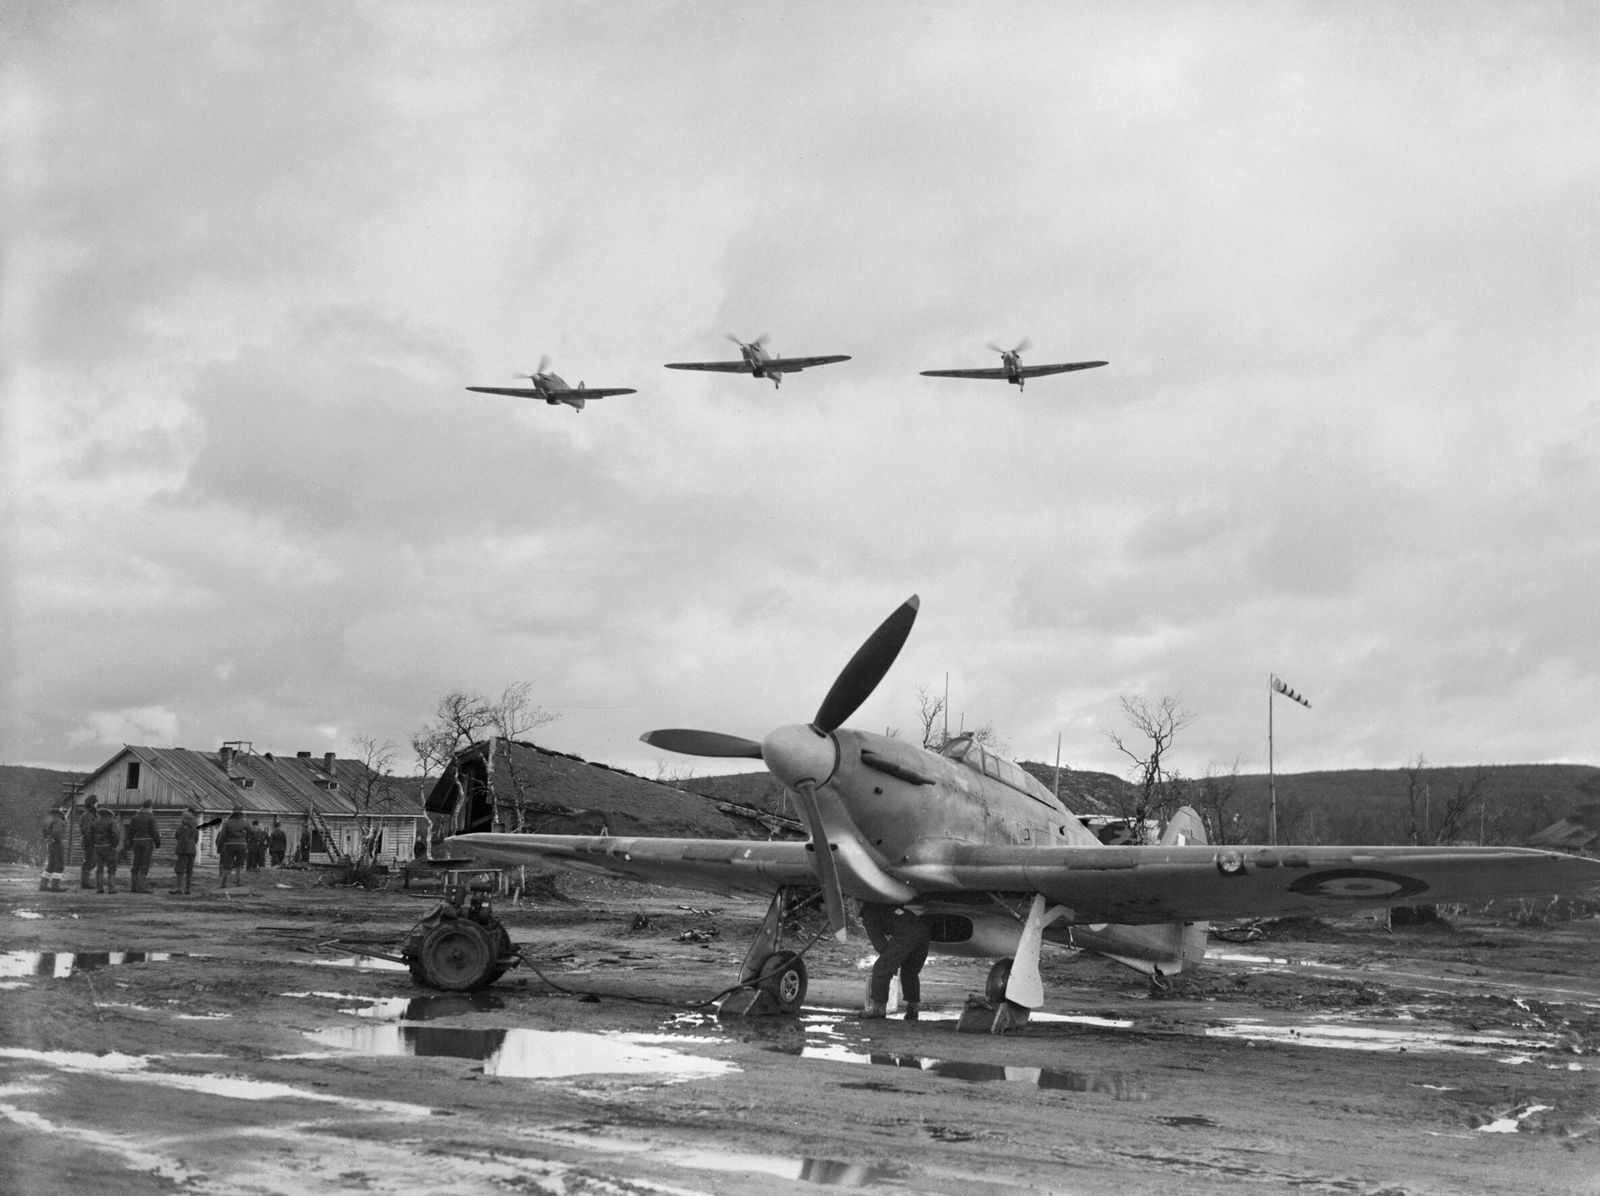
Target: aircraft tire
[
  {"x": 786, "y": 984},
  {"x": 999, "y": 976},
  {"x": 456, "y": 956}
]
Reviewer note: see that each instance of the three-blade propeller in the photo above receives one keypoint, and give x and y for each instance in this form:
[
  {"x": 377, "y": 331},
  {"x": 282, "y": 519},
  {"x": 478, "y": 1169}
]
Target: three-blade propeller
[
  {"x": 852, "y": 687},
  {"x": 759, "y": 343}
]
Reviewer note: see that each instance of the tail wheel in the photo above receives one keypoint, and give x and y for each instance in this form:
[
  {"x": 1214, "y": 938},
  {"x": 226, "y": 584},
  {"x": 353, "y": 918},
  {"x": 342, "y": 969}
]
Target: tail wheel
[
  {"x": 783, "y": 978},
  {"x": 999, "y": 976},
  {"x": 456, "y": 956}
]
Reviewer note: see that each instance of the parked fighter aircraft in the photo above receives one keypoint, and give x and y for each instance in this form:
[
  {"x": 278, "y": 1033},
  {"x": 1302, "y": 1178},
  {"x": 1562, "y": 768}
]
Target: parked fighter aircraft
[
  {"x": 995, "y": 862},
  {"x": 757, "y": 362},
  {"x": 553, "y": 389},
  {"x": 1012, "y": 369}
]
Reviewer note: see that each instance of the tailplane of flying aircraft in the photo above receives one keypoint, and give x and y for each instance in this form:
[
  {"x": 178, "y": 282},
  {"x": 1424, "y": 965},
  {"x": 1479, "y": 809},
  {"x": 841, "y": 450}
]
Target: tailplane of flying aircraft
[
  {"x": 1011, "y": 368},
  {"x": 994, "y": 862},
  {"x": 553, "y": 389},
  {"x": 755, "y": 360}
]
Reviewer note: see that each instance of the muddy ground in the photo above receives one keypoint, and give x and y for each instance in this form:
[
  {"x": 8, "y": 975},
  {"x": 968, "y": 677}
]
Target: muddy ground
[{"x": 212, "y": 1044}]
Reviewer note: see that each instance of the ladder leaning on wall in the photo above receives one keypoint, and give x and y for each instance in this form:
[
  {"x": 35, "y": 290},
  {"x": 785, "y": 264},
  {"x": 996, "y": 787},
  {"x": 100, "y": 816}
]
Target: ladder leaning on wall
[{"x": 329, "y": 843}]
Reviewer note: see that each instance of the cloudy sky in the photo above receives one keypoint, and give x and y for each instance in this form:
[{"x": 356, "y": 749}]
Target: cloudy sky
[{"x": 1342, "y": 259}]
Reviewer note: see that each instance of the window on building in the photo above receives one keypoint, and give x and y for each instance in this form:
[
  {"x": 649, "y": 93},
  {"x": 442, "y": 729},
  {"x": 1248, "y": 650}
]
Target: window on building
[{"x": 133, "y": 775}]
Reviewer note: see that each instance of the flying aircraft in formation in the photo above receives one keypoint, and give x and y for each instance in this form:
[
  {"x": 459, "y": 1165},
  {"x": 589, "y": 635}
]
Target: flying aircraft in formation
[
  {"x": 994, "y": 862},
  {"x": 553, "y": 389},
  {"x": 1011, "y": 368},
  {"x": 757, "y": 362}
]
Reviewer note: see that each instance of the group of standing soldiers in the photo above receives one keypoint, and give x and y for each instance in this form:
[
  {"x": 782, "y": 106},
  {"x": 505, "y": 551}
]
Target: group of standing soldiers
[{"x": 241, "y": 846}]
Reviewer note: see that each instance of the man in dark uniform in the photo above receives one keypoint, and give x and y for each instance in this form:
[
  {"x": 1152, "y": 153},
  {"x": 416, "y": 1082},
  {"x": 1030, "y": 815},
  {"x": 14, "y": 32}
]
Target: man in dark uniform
[
  {"x": 187, "y": 843},
  {"x": 901, "y": 938},
  {"x": 277, "y": 843},
  {"x": 232, "y": 841},
  {"x": 86, "y": 839},
  {"x": 146, "y": 837},
  {"x": 55, "y": 844},
  {"x": 107, "y": 838}
]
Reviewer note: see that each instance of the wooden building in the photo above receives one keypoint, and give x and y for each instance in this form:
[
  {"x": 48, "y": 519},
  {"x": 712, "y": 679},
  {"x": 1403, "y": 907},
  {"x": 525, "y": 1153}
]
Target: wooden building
[{"x": 304, "y": 792}]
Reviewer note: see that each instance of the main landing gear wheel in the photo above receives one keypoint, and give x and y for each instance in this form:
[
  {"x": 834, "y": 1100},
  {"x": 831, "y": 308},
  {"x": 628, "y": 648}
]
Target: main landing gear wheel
[
  {"x": 783, "y": 978},
  {"x": 457, "y": 956},
  {"x": 999, "y": 976}
]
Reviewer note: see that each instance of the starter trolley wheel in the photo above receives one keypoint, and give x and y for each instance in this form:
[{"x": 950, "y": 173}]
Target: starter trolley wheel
[
  {"x": 783, "y": 976},
  {"x": 457, "y": 956},
  {"x": 999, "y": 976}
]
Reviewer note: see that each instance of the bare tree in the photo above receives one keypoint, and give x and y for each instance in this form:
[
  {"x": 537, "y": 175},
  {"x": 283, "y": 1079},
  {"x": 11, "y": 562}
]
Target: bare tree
[
  {"x": 1416, "y": 772},
  {"x": 1468, "y": 787},
  {"x": 930, "y": 709},
  {"x": 1217, "y": 791},
  {"x": 374, "y": 796},
  {"x": 462, "y": 719},
  {"x": 1156, "y": 790},
  {"x": 512, "y": 717}
]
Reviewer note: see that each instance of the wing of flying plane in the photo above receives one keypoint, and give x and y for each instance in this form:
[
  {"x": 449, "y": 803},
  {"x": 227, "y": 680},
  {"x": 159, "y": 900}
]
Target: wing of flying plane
[
  {"x": 573, "y": 392},
  {"x": 1026, "y": 371},
  {"x": 791, "y": 364},
  {"x": 721, "y": 367}
]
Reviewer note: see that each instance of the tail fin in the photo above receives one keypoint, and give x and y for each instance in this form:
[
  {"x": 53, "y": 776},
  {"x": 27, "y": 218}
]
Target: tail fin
[{"x": 1184, "y": 827}]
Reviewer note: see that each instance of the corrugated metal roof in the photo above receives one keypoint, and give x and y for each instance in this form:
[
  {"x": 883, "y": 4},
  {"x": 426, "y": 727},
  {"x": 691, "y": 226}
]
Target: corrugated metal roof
[{"x": 283, "y": 785}]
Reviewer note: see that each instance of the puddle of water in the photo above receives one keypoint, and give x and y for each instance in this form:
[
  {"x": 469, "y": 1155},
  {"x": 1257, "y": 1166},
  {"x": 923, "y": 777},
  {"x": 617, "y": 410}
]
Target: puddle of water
[
  {"x": 1358, "y": 1037},
  {"x": 27, "y": 913},
  {"x": 424, "y": 1009},
  {"x": 136, "y": 1068},
  {"x": 361, "y": 963},
  {"x": 525, "y": 1054},
  {"x": 1512, "y": 1124},
  {"x": 61, "y": 964},
  {"x": 1120, "y": 1086}
]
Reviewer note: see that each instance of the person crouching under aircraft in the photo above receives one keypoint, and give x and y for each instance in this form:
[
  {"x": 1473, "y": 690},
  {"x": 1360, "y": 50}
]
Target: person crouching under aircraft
[{"x": 901, "y": 939}]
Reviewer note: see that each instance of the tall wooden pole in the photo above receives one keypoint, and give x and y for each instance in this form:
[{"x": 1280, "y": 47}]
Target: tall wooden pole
[{"x": 1272, "y": 782}]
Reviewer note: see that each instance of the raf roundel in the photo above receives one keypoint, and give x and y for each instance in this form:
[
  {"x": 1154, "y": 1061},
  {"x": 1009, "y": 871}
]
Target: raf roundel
[{"x": 1359, "y": 884}]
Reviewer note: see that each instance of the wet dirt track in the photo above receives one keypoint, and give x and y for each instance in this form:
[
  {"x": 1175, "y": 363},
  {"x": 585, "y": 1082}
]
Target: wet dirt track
[{"x": 157, "y": 1044}]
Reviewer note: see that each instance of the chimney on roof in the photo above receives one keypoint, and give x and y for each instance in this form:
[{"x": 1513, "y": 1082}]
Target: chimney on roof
[
  {"x": 327, "y": 763},
  {"x": 302, "y": 755},
  {"x": 225, "y": 755}
]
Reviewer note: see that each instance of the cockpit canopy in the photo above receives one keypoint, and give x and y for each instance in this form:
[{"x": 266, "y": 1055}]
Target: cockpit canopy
[{"x": 967, "y": 750}]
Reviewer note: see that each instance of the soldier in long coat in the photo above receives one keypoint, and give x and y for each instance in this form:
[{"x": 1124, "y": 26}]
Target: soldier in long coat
[
  {"x": 145, "y": 838},
  {"x": 186, "y": 841},
  {"x": 106, "y": 838}
]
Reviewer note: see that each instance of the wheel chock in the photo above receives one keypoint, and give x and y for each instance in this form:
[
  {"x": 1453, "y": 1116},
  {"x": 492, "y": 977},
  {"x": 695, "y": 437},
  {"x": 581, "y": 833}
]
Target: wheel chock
[
  {"x": 983, "y": 1016},
  {"x": 749, "y": 1002}
]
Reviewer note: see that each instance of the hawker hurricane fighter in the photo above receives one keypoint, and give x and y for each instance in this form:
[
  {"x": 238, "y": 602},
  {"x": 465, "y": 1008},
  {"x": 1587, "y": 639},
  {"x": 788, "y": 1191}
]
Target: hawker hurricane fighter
[
  {"x": 553, "y": 389},
  {"x": 1011, "y": 368},
  {"x": 992, "y": 860},
  {"x": 757, "y": 362}
]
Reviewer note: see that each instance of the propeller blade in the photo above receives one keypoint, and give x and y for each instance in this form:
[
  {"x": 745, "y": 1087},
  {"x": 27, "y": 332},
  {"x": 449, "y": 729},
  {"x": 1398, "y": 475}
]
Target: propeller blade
[
  {"x": 703, "y": 743},
  {"x": 544, "y": 363},
  {"x": 860, "y": 677},
  {"x": 832, "y": 894},
  {"x": 1024, "y": 343},
  {"x": 993, "y": 348},
  {"x": 734, "y": 339}
]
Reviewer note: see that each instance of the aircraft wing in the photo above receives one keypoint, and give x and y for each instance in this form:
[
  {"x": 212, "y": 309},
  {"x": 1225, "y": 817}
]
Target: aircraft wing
[
  {"x": 988, "y": 373},
  {"x": 791, "y": 364},
  {"x": 709, "y": 865},
  {"x": 721, "y": 367},
  {"x": 519, "y": 392},
  {"x": 584, "y": 392},
  {"x": 1039, "y": 371},
  {"x": 1134, "y": 885}
]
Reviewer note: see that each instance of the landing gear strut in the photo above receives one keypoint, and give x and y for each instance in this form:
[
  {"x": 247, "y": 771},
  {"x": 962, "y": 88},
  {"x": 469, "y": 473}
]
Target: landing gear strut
[{"x": 773, "y": 980}]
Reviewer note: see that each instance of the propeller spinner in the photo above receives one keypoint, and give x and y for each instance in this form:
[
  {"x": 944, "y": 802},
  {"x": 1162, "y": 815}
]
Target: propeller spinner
[{"x": 803, "y": 757}]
